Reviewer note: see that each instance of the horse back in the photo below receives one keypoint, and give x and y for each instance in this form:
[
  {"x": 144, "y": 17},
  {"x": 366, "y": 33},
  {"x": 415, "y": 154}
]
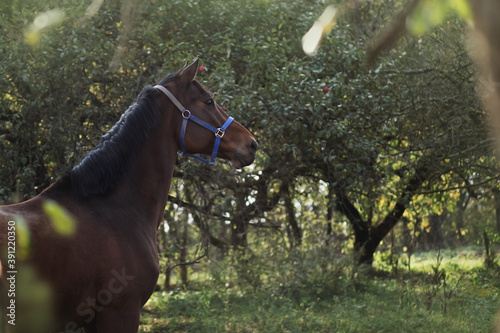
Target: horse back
[{"x": 101, "y": 265}]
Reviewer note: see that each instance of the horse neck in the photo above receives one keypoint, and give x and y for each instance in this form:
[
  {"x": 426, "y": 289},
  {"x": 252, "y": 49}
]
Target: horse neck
[{"x": 145, "y": 187}]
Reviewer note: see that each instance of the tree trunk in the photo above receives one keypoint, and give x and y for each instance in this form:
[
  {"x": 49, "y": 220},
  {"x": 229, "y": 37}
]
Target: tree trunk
[
  {"x": 436, "y": 222},
  {"x": 164, "y": 249},
  {"x": 366, "y": 238},
  {"x": 377, "y": 234},
  {"x": 239, "y": 225},
  {"x": 296, "y": 234},
  {"x": 496, "y": 196},
  {"x": 183, "y": 251},
  {"x": 359, "y": 226},
  {"x": 171, "y": 239}
]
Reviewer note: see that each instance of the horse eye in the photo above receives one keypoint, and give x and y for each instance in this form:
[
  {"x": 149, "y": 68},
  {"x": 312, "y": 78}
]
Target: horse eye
[{"x": 210, "y": 102}]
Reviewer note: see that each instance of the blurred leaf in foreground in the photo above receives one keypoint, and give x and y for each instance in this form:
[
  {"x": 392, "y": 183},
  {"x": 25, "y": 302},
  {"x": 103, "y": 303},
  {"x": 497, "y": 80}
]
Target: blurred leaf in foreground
[
  {"x": 429, "y": 13},
  {"x": 62, "y": 221},
  {"x": 23, "y": 238},
  {"x": 323, "y": 25},
  {"x": 43, "y": 21}
]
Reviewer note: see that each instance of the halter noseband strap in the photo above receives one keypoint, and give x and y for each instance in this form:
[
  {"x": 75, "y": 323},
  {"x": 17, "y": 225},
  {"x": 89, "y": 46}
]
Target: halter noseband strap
[{"x": 186, "y": 115}]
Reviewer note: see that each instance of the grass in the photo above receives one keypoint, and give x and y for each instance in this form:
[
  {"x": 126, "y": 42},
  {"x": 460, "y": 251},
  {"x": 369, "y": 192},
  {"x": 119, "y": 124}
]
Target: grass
[{"x": 448, "y": 294}]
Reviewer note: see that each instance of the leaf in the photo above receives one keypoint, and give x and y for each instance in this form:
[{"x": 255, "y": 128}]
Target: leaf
[
  {"x": 323, "y": 25},
  {"x": 23, "y": 238},
  {"x": 430, "y": 13},
  {"x": 426, "y": 15},
  {"x": 462, "y": 8},
  {"x": 43, "y": 21},
  {"x": 62, "y": 221}
]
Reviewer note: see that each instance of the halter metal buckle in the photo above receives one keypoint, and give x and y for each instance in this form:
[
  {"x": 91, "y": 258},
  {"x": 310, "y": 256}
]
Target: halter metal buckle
[
  {"x": 186, "y": 114},
  {"x": 219, "y": 133}
]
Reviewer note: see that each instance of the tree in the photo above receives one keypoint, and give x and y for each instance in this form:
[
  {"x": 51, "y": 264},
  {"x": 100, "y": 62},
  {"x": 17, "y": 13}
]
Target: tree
[{"x": 385, "y": 142}]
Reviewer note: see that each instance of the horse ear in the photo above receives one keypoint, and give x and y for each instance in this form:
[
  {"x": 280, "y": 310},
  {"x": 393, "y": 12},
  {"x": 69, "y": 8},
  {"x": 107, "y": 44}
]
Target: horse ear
[{"x": 188, "y": 73}]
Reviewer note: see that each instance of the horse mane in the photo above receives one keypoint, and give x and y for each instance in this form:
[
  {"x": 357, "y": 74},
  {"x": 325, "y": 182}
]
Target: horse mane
[{"x": 103, "y": 168}]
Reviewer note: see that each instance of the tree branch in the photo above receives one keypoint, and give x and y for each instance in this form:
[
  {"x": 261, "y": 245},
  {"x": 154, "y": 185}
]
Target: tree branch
[
  {"x": 390, "y": 36},
  {"x": 199, "y": 223},
  {"x": 197, "y": 260}
]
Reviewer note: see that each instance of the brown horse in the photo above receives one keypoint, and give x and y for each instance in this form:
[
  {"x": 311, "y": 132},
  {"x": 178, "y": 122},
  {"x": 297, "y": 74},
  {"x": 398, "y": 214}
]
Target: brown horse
[{"x": 104, "y": 272}]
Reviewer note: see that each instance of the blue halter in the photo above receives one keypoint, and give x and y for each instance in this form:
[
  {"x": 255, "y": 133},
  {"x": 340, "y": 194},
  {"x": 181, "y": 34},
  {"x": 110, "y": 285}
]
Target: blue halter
[{"x": 186, "y": 115}]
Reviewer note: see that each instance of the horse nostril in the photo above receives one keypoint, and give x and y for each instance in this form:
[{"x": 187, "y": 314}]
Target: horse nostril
[{"x": 253, "y": 146}]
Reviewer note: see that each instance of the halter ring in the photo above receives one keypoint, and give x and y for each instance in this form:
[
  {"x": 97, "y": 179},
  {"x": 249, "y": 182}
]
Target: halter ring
[{"x": 186, "y": 114}]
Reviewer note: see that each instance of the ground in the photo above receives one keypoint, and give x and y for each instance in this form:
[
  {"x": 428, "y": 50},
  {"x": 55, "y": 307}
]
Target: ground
[{"x": 446, "y": 291}]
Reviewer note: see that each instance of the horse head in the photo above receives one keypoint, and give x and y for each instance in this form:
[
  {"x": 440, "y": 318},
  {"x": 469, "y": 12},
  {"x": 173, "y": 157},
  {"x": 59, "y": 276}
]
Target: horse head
[{"x": 204, "y": 127}]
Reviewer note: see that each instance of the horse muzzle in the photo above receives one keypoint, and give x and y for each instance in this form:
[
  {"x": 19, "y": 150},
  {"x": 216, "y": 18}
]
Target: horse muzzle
[{"x": 244, "y": 156}]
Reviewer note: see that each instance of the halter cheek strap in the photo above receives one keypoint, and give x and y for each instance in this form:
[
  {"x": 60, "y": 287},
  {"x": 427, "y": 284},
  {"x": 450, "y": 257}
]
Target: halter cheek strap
[{"x": 186, "y": 116}]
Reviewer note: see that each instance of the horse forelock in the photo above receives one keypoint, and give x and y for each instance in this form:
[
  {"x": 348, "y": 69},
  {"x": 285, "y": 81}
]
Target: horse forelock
[{"x": 103, "y": 168}]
